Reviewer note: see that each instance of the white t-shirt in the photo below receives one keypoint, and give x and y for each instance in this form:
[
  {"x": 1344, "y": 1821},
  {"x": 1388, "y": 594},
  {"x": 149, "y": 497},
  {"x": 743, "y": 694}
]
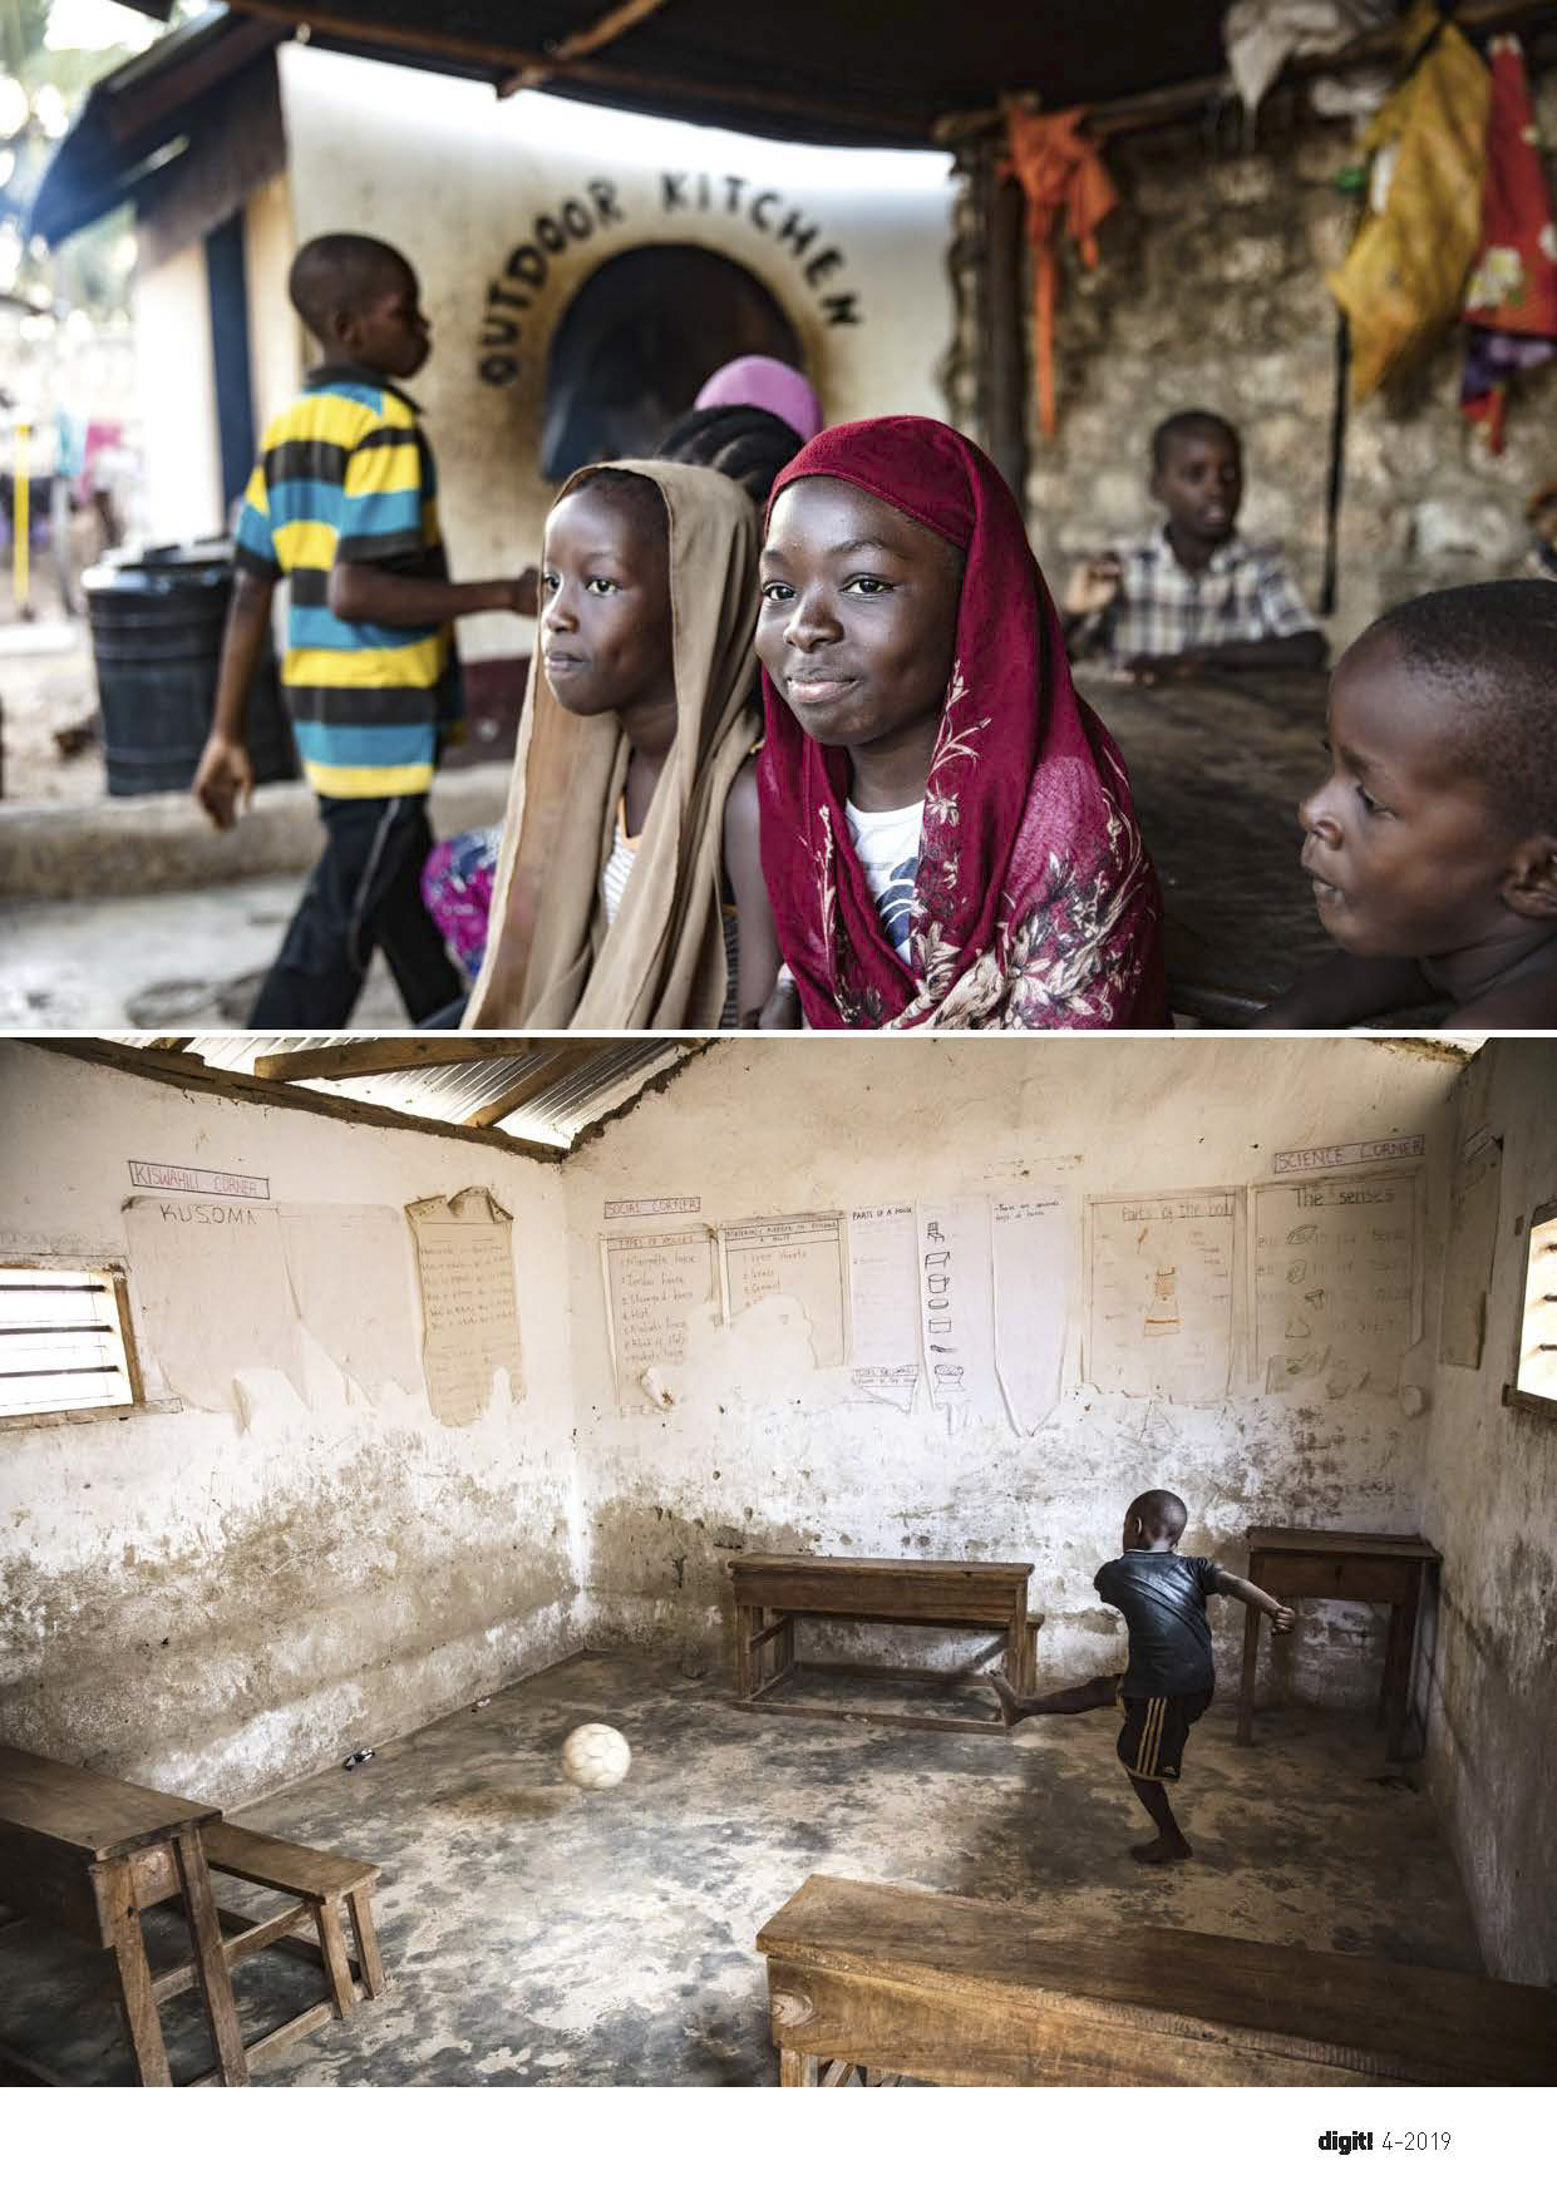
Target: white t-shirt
[{"x": 887, "y": 844}]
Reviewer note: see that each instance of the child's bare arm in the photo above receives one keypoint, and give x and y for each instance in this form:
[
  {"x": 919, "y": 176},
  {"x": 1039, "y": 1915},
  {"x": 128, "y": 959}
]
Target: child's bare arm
[
  {"x": 758, "y": 959},
  {"x": 1347, "y": 989},
  {"x": 1281, "y": 1616},
  {"x": 1092, "y": 587},
  {"x": 224, "y": 777},
  {"x": 1303, "y": 652},
  {"x": 375, "y": 595}
]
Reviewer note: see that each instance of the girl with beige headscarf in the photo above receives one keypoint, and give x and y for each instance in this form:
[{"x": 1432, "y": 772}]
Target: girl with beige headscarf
[{"x": 633, "y": 805}]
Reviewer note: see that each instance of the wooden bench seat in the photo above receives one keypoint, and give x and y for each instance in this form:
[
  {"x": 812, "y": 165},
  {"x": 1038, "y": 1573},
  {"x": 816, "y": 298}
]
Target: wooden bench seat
[
  {"x": 772, "y": 1589},
  {"x": 893, "y": 1980},
  {"x": 319, "y": 1880}
]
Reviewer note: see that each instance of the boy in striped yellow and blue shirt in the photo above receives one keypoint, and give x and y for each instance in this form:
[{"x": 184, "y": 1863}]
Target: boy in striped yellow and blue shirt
[{"x": 343, "y": 505}]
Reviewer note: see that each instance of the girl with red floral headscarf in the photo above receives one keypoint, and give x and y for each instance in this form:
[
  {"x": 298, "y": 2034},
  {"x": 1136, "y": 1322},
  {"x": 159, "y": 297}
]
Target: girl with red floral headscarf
[{"x": 916, "y": 683}]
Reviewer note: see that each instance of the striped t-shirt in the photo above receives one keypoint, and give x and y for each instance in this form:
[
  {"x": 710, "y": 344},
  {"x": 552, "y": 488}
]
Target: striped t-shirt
[{"x": 345, "y": 473}]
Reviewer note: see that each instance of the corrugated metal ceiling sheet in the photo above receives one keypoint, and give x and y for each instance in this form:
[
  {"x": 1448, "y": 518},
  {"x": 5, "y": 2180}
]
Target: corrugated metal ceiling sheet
[{"x": 455, "y": 1091}]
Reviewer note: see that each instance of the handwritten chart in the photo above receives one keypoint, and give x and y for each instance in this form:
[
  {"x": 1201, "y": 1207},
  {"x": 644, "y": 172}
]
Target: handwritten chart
[
  {"x": 957, "y": 1308},
  {"x": 1161, "y": 1306},
  {"x": 1335, "y": 1281},
  {"x": 790, "y": 1256},
  {"x": 470, "y": 1314},
  {"x": 884, "y": 1303},
  {"x": 1028, "y": 1236},
  {"x": 654, "y": 1282}
]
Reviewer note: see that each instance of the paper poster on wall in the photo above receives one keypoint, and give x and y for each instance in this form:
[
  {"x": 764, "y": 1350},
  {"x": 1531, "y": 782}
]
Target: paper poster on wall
[
  {"x": 211, "y": 1278},
  {"x": 1473, "y": 1231},
  {"x": 1029, "y": 1241},
  {"x": 470, "y": 1312},
  {"x": 1334, "y": 1281},
  {"x": 1161, "y": 1306},
  {"x": 884, "y": 1303},
  {"x": 789, "y": 1256},
  {"x": 351, "y": 1286},
  {"x": 957, "y": 1312},
  {"x": 655, "y": 1281}
]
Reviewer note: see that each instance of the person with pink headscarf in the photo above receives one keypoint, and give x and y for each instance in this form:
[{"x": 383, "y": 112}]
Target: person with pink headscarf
[{"x": 755, "y": 379}]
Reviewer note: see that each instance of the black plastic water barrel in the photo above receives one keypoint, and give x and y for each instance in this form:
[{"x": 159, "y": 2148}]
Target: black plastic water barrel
[{"x": 156, "y": 618}]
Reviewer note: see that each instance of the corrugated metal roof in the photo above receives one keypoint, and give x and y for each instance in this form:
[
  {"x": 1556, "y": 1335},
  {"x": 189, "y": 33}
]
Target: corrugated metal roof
[{"x": 603, "y": 1078}]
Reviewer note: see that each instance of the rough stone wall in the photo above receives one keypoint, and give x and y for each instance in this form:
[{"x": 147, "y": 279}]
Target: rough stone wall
[
  {"x": 217, "y": 1606},
  {"x": 762, "y": 1451},
  {"x": 1211, "y": 293},
  {"x": 1491, "y": 1508}
]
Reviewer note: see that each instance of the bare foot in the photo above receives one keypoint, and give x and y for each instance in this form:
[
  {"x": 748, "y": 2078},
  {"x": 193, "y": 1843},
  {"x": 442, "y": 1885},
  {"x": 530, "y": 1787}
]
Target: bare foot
[
  {"x": 1010, "y": 1702},
  {"x": 1161, "y": 1851}
]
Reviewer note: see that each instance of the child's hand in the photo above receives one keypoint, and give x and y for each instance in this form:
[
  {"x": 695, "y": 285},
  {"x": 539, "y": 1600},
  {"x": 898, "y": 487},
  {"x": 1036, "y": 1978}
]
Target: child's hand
[
  {"x": 1093, "y": 586},
  {"x": 781, "y": 1009},
  {"x": 1150, "y": 671},
  {"x": 1283, "y": 1620},
  {"x": 224, "y": 778}
]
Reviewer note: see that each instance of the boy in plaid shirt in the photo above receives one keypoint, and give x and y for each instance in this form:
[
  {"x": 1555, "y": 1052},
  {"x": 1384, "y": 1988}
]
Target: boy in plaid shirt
[{"x": 1193, "y": 596}]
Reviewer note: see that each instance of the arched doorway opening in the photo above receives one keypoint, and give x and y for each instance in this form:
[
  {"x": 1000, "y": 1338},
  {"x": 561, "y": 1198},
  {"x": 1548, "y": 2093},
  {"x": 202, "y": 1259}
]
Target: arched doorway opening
[{"x": 638, "y": 342}]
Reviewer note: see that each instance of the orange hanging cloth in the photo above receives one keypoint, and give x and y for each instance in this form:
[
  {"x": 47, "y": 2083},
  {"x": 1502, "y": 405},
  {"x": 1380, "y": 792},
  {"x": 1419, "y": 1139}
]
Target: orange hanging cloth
[{"x": 1060, "y": 171}]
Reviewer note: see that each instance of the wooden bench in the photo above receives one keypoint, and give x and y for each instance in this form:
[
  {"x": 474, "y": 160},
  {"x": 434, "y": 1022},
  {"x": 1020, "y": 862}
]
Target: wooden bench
[
  {"x": 88, "y": 1853},
  {"x": 320, "y": 1881},
  {"x": 772, "y": 1591},
  {"x": 889, "y": 1981}
]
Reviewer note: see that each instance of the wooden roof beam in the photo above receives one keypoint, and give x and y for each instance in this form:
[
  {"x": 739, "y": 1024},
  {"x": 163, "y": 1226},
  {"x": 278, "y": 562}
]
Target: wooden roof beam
[
  {"x": 604, "y": 31},
  {"x": 378, "y": 1057},
  {"x": 532, "y": 1084},
  {"x": 189, "y": 1072}
]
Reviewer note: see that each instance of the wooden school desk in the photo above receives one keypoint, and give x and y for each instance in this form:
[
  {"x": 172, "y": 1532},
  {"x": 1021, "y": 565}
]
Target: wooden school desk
[
  {"x": 773, "y": 1589},
  {"x": 88, "y": 1852},
  {"x": 1292, "y": 1563},
  {"x": 892, "y": 1982},
  {"x": 1217, "y": 769}
]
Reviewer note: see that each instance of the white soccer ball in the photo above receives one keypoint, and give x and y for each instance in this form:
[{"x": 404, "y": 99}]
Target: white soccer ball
[{"x": 595, "y": 1757}]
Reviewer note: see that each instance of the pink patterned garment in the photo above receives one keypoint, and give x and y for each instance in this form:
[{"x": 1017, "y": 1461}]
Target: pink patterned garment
[{"x": 1035, "y": 905}]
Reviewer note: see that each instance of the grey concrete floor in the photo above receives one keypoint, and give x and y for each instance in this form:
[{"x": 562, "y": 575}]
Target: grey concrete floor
[
  {"x": 534, "y": 1935},
  {"x": 159, "y": 962}
]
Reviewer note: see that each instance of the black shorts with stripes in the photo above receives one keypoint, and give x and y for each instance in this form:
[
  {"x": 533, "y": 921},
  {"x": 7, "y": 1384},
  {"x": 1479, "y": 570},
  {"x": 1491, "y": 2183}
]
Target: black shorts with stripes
[{"x": 1151, "y": 1741}]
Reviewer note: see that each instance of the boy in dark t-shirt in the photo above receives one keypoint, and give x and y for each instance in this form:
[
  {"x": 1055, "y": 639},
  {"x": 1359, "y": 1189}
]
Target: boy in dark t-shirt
[{"x": 1171, "y": 1676}]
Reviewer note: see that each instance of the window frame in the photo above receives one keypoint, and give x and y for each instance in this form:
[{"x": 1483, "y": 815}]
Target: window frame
[
  {"x": 116, "y": 1269},
  {"x": 1528, "y": 1401}
]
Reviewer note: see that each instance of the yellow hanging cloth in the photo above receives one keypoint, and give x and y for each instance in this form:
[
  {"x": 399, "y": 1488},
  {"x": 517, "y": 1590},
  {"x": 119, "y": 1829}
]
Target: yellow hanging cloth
[{"x": 1402, "y": 281}]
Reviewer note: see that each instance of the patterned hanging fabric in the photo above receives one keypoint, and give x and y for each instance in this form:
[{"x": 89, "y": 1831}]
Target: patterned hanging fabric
[{"x": 1511, "y": 305}]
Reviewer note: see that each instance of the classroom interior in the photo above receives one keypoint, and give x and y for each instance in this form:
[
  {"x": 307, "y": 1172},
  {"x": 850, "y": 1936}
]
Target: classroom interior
[{"x": 469, "y": 1381}]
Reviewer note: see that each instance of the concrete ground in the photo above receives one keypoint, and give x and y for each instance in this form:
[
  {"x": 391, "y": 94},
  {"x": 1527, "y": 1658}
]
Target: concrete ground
[
  {"x": 158, "y": 962},
  {"x": 534, "y": 1935}
]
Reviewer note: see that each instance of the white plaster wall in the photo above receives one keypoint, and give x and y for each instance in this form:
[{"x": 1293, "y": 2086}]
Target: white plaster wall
[
  {"x": 1491, "y": 1508},
  {"x": 763, "y": 1452},
  {"x": 218, "y": 1608},
  {"x": 470, "y": 175},
  {"x": 180, "y": 456},
  {"x": 275, "y": 333}
]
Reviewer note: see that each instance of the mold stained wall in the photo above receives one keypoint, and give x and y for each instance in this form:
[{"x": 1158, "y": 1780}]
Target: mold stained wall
[
  {"x": 1491, "y": 1508},
  {"x": 761, "y": 1451},
  {"x": 473, "y": 175},
  {"x": 218, "y": 1608}
]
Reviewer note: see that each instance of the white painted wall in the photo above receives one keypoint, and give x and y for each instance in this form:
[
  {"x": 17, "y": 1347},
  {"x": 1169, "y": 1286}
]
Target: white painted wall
[
  {"x": 181, "y": 460},
  {"x": 457, "y": 179},
  {"x": 275, "y": 333},
  {"x": 217, "y": 1609},
  {"x": 1490, "y": 1506},
  {"x": 764, "y": 1452}
]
